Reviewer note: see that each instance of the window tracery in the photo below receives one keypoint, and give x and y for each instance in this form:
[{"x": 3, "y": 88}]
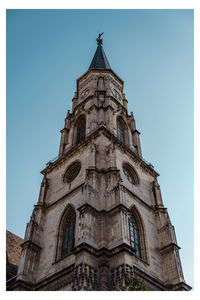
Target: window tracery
[
  {"x": 130, "y": 174},
  {"x": 134, "y": 235},
  {"x": 120, "y": 131},
  {"x": 137, "y": 234},
  {"x": 72, "y": 172},
  {"x": 68, "y": 234}
]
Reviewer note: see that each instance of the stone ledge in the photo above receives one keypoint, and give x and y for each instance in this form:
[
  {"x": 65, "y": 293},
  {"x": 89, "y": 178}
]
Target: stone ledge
[
  {"x": 104, "y": 251},
  {"x": 181, "y": 286},
  {"x": 90, "y": 137},
  {"x": 30, "y": 243},
  {"x": 20, "y": 285},
  {"x": 51, "y": 278},
  {"x": 168, "y": 247}
]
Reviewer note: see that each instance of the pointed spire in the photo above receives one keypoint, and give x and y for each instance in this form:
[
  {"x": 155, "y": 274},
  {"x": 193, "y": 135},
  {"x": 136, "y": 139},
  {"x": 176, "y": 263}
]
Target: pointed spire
[{"x": 99, "y": 60}]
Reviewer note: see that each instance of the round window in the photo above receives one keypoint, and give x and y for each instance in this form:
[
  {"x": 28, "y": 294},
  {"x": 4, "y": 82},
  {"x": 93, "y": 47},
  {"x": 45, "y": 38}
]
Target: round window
[
  {"x": 72, "y": 172},
  {"x": 130, "y": 174}
]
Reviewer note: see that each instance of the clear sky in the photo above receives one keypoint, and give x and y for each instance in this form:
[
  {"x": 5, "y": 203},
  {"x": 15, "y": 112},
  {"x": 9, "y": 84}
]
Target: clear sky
[{"x": 151, "y": 50}]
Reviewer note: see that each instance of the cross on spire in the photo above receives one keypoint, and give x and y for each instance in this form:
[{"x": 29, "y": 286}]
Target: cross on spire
[
  {"x": 99, "y": 40},
  {"x": 99, "y": 60}
]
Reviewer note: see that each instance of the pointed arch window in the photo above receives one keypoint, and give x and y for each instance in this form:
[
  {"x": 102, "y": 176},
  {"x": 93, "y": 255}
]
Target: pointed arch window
[
  {"x": 120, "y": 131},
  {"x": 135, "y": 239},
  {"x": 68, "y": 234},
  {"x": 81, "y": 125}
]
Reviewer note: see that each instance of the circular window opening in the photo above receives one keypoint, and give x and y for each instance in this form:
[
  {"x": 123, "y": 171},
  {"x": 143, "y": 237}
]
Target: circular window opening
[
  {"x": 130, "y": 174},
  {"x": 72, "y": 172}
]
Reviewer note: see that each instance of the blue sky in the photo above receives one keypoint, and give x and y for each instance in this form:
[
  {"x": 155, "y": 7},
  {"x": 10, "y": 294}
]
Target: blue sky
[{"x": 151, "y": 50}]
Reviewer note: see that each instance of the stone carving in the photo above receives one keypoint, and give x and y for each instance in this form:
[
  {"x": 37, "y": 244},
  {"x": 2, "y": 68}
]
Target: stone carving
[{"x": 85, "y": 278}]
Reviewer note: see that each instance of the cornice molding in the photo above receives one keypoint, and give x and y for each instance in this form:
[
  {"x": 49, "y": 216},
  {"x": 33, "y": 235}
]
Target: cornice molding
[
  {"x": 52, "y": 278},
  {"x": 65, "y": 195},
  {"x": 20, "y": 285},
  {"x": 181, "y": 286},
  {"x": 148, "y": 277},
  {"x": 90, "y": 97},
  {"x": 28, "y": 243},
  {"x": 135, "y": 196},
  {"x": 101, "y": 71},
  {"x": 86, "y": 206},
  {"x": 102, "y": 170},
  {"x": 69, "y": 152},
  {"x": 169, "y": 247},
  {"x": 104, "y": 251},
  {"x": 135, "y": 157},
  {"x": 91, "y": 136},
  {"x": 136, "y": 131}
]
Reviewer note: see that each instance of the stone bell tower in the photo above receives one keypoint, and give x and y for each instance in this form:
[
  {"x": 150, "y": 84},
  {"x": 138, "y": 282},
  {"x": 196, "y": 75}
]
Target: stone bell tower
[{"x": 100, "y": 215}]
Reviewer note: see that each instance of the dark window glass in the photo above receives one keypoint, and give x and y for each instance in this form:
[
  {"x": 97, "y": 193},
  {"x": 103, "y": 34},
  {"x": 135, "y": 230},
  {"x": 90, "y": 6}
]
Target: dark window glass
[
  {"x": 128, "y": 175},
  {"x": 134, "y": 235},
  {"x": 120, "y": 132},
  {"x": 80, "y": 131},
  {"x": 69, "y": 234},
  {"x": 72, "y": 172}
]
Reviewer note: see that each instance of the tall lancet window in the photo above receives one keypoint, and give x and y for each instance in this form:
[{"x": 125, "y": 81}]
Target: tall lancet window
[
  {"x": 80, "y": 130},
  {"x": 120, "y": 131},
  {"x": 134, "y": 235},
  {"x": 101, "y": 84},
  {"x": 68, "y": 233}
]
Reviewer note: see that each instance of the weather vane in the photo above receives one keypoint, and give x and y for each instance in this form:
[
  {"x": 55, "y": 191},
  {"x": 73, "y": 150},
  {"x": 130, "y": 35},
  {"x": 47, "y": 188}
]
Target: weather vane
[{"x": 99, "y": 40}]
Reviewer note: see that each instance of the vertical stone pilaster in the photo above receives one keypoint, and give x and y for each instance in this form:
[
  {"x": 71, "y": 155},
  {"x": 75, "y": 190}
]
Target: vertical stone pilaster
[
  {"x": 136, "y": 142},
  {"x": 43, "y": 189},
  {"x": 157, "y": 194},
  {"x": 103, "y": 271},
  {"x": 94, "y": 118},
  {"x": 74, "y": 101}
]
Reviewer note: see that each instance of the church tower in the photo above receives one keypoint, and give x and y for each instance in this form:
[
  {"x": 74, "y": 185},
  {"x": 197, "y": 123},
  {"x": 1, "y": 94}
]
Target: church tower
[{"x": 100, "y": 217}]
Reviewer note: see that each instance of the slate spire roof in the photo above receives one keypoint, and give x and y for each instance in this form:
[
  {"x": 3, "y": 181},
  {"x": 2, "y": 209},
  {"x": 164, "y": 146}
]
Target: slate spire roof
[{"x": 99, "y": 60}]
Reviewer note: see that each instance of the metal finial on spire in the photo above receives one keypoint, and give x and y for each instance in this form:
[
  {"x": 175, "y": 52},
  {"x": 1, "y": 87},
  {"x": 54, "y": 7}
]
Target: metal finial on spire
[
  {"x": 99, "y": 40},
  {"x": 99, "y": 60}
]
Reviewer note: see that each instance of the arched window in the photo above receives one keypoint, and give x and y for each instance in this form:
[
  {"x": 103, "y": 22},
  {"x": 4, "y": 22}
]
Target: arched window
[
  {"x": 130, "y": 174},
  {"x": 68, "y": 234},
  {"x": 137, "y": 234},
  {"x": 80, "y": 129},
  {"x": 72, "y": 172},
  {"x": 134, "y": 235},
  {"x": 120, "y": 131}
]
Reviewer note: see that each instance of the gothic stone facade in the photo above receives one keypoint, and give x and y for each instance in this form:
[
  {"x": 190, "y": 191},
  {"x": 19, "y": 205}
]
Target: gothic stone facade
[{"x": 102, "y": 191}]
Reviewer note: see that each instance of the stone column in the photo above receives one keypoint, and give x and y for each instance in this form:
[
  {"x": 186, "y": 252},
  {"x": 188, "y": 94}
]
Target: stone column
[{"x": 104, "y": 270}]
